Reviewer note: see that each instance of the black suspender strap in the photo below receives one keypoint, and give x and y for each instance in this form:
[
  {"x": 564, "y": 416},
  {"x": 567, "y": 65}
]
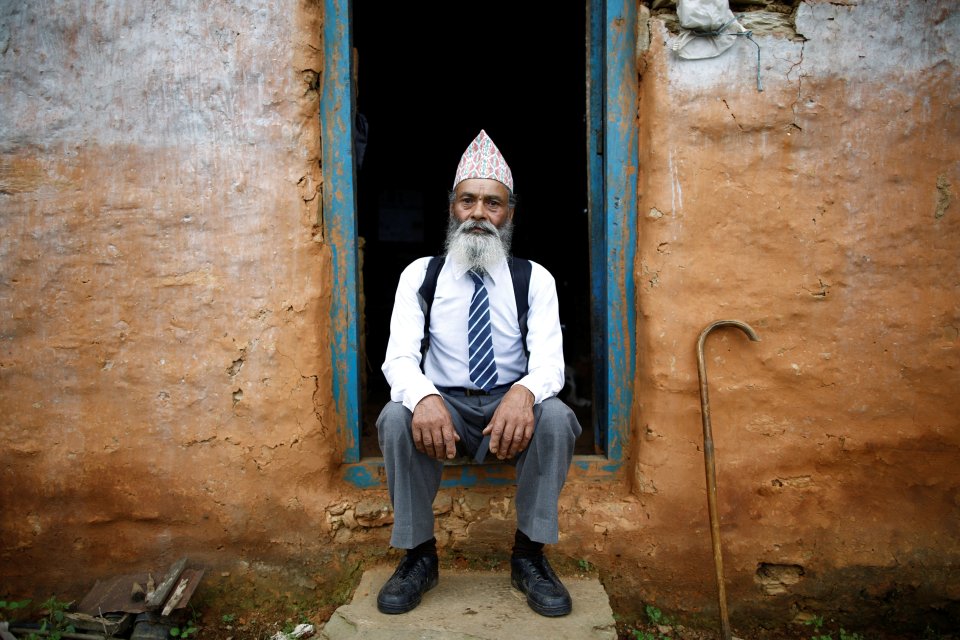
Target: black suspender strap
[
  {"x": 426, "y": 293},
  {"x": 520, "y": 271}
]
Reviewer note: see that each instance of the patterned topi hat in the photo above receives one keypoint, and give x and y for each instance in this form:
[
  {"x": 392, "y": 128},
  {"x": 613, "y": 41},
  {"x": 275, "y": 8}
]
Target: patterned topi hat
[{"x": 482, "y": 159}]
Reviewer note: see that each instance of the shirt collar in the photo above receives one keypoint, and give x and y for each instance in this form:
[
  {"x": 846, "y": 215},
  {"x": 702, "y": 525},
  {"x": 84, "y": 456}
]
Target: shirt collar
[{"x": 494, "y": 274}]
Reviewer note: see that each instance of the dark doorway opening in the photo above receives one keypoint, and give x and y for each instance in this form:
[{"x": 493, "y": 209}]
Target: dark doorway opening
[{"x": 516, "y": 70}]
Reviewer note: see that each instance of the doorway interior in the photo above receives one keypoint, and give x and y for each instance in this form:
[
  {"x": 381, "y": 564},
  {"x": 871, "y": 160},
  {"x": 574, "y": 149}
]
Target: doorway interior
[{"x": 516, "y": 70}]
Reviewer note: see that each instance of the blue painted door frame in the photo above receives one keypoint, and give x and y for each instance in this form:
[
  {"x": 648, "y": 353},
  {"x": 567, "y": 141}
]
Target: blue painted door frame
[
  {"x": 340, "y": 221},
  {"x": 612, "y": 173}
]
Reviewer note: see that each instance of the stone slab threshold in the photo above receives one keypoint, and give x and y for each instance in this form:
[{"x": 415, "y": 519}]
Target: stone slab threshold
[{"x": 471, "y": 605}]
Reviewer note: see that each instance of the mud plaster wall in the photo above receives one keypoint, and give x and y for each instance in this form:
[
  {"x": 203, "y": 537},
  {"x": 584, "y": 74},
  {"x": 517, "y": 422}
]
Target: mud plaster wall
[
  {"x": 164, "y": 293},
  {"x": 821, "y": 212}
]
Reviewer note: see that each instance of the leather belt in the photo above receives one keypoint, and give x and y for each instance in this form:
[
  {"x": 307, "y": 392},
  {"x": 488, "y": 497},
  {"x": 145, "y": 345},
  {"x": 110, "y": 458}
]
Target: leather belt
[{"x": 463, "y": 391}]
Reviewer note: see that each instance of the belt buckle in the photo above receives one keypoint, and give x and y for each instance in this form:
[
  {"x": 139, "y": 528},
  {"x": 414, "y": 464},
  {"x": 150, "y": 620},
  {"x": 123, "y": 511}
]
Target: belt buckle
[{"x": 474, "y": 392}]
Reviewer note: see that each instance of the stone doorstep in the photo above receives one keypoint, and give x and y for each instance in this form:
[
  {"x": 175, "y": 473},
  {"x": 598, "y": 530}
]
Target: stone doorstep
[{"x": 471, "y": 605}]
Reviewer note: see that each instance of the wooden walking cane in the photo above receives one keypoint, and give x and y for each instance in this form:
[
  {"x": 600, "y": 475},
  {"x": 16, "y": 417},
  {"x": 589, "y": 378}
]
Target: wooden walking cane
[{"x": 710, "y": 466}]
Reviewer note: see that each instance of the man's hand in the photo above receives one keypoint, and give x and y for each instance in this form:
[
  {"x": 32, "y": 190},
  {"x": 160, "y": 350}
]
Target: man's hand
[
  {"x": 511, "y": 427},
  {"x": 433, "y": 432}
]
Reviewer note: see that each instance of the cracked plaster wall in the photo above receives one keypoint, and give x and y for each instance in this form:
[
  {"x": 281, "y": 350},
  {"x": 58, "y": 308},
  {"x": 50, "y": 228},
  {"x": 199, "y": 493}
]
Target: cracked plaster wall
[
  {"x": 816, "y": 212},
  {"x": 164, "y": 370}
]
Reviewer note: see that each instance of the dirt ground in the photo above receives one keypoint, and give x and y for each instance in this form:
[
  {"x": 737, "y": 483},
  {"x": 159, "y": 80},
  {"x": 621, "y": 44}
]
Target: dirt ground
[
  {"x": 250, "y": 609},
  {"x": 264, "y": 623},
  {"x": 259, "y": 603}
]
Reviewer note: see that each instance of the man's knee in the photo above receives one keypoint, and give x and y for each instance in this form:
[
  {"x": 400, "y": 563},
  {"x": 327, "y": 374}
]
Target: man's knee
[
  {"x": 393, "y": 425},
  {"x": 557, "y": 420}
]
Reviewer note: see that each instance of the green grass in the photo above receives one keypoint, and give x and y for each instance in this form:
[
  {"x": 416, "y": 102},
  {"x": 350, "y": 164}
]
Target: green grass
[
  {"x": 817, "y": 623},
  {"x": 7, "y": 607},
  {"x": 54, "y": 624},
  {"x": 189, "y": 629}
]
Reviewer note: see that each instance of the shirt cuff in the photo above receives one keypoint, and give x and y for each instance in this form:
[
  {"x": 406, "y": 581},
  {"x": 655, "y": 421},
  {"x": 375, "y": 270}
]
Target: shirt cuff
[
  {"x": 530, "y": 383},
  {"x": 417, "y": 391}
]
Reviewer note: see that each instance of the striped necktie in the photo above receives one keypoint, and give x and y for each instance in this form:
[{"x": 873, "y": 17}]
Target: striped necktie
[{"x": 483, "y": 368}]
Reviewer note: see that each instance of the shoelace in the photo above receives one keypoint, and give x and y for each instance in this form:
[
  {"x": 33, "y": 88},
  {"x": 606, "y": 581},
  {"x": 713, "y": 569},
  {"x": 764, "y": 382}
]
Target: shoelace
[
  {"x": 408, "y": 566},
  {"x": 535, "y": 571}
]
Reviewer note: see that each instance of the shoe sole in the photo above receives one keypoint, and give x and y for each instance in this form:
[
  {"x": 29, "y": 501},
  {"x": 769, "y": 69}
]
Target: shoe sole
[
  {"x": 393, "y": 610},
  {"x": 549, "y": 612}
]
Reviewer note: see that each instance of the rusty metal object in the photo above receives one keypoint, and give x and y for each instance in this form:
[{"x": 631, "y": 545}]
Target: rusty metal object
[
  {"x": 711, "y": 467},
  {"x": 118, "y": 593}
]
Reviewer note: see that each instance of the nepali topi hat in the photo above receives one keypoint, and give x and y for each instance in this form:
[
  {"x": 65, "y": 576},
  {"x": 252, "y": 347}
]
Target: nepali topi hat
[{"x": 482, "y": 159}]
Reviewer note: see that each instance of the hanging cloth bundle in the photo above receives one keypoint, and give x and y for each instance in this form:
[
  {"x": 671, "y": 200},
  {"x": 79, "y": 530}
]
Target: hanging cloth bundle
[{"x": 707, "y": 29}]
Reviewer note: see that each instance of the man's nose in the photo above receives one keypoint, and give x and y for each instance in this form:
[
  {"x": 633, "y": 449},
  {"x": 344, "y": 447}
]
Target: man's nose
[{"x": 479, "y": 211}]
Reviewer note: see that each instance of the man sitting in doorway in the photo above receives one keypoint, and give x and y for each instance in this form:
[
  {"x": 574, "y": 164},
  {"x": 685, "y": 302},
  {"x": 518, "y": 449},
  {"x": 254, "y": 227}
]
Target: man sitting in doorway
[{"x": 489, "y": 378}]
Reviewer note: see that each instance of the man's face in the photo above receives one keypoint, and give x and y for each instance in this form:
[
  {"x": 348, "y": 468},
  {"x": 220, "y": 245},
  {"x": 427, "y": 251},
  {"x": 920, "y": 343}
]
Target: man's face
[
  {"x": 480, "y": 225},
  {"x": 481, "y": 199}
]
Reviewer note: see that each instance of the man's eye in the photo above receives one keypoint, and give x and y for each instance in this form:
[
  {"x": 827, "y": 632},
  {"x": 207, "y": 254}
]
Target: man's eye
[
  {"x": 493, "y": 204},
  {"x": 466, "y": 200}
]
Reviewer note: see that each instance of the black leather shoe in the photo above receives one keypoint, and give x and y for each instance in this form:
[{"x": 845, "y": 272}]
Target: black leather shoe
[
  {"x": 545, "y": 593},
  {"x": 403, "y": 591}
]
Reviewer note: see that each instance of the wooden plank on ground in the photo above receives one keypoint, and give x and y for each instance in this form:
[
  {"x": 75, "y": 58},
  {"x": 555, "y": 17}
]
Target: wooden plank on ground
[
  {"x": 114, "y": 625},
  {"x": 156, "y": 599}
]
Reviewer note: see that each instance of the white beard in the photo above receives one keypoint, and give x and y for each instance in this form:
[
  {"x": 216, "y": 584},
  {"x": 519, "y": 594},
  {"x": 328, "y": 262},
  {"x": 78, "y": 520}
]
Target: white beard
[{"x": 478, "y": 251}]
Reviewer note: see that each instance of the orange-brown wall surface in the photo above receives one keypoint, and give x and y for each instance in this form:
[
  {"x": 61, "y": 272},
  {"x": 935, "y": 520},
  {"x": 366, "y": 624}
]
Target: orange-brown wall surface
[
  {"x": 820, "y": 211},
  {"x": 165, "y": 289},
  {"x": 164, "y": 296}
]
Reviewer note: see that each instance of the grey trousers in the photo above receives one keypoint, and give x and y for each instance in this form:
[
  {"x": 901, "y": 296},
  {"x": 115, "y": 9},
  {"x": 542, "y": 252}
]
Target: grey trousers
[{"x": 413, "y": 478}]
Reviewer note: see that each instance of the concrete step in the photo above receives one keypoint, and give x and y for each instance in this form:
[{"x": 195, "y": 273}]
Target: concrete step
[{"x": 472, "y": 605}]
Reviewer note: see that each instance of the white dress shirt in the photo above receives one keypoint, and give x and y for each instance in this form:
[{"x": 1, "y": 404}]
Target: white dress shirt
[{"x": 446, "y": 361}]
